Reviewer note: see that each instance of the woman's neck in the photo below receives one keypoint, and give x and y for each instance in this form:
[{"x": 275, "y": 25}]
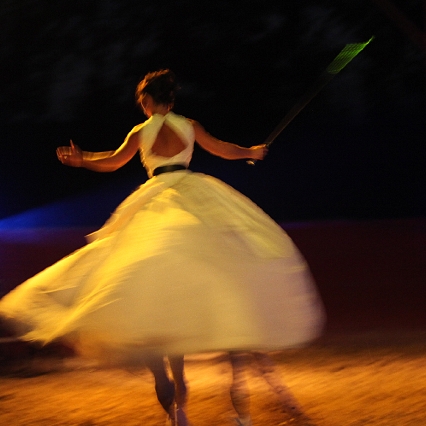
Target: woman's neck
[{"x": 160, "y": 109}]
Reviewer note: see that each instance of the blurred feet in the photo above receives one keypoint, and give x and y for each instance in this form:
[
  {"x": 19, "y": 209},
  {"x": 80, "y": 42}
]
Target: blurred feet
[
  {"x": 177, "y": 417},
  {"x": 243, "y": 421}
]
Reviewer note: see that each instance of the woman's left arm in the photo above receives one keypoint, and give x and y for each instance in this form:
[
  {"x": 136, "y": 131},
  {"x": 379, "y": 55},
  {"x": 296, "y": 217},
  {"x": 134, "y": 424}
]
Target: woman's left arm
[
  {"x": 107, "y": 161},
  {"x": 227, "y": 150}
]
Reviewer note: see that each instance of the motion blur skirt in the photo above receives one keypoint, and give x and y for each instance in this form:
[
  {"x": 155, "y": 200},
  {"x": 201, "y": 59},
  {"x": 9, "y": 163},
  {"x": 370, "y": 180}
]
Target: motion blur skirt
[{"x": 185, "y": 264}]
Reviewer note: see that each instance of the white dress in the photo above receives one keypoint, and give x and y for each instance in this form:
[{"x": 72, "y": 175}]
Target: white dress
[{"x": 185, "y": 264}]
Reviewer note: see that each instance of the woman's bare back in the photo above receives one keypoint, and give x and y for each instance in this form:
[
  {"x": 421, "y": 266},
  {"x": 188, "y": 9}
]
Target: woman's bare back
[{"x": 167, "y": 143}]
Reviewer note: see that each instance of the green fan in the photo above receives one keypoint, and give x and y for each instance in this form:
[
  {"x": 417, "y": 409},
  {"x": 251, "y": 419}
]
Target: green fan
[
  {"x": 340, "y": 61},
  {"x": 345, "y": 56}
]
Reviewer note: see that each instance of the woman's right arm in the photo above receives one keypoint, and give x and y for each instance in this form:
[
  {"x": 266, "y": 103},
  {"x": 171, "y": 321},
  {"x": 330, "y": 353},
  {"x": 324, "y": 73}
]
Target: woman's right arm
[
  {"x": 227, "y": 150},
  {"x": 107, "y": 161}
]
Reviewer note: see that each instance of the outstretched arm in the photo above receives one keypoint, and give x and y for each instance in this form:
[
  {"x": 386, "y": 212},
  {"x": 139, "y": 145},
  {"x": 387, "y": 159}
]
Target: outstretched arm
[
  {"x": 227, "y": 150},
  {"x": 106, "y": 161}
]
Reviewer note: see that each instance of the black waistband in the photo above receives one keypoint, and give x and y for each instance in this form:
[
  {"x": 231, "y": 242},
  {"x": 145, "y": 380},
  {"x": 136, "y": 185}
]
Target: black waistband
[{"x": 169, "y": 168}]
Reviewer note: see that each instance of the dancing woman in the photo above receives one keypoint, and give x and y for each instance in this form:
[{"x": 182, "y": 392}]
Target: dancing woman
[{"x": 185, "y": 264}]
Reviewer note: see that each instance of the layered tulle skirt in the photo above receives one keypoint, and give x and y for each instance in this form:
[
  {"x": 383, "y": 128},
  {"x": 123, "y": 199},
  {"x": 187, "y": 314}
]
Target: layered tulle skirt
[{"x": 185, "y": 264}]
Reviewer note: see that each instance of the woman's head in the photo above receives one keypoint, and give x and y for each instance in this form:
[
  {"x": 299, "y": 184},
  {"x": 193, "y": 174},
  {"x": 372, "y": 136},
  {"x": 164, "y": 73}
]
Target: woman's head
[{"x": 160, "y": 85}]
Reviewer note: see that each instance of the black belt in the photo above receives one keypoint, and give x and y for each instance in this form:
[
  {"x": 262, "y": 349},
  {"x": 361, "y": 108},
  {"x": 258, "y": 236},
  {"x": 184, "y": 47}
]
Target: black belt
[{"x": 168, "y": 169}]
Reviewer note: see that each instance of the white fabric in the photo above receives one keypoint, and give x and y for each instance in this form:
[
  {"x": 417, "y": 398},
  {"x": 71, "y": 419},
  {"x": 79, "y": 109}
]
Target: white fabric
[{"x": 185, "y": 264}]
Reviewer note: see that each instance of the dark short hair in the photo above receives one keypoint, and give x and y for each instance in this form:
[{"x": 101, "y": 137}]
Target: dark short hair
[{"x": 161, "y": 85}]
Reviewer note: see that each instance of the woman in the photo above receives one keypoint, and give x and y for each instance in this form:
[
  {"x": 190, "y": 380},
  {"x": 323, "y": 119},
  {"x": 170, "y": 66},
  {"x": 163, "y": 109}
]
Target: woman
[{"x": 185, "y": 264}]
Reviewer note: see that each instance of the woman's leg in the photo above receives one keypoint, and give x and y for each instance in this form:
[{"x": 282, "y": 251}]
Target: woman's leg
[
  {"x": 177, "y": 367},
  {"x": 164, "y": 387},
  {"x": 240, "y": 395}
]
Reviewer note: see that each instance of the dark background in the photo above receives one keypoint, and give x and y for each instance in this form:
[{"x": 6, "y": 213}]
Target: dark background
[{"x": 357, "y": 151}]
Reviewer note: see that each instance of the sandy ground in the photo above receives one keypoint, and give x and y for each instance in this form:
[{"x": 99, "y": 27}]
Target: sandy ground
[{"x": 370, "y": 378}]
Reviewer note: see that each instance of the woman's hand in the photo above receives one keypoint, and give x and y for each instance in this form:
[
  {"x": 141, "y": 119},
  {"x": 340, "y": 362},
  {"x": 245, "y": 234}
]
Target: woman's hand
[
  {"x": 258, "y": 152},
  {"x": 70, "y": 155}
]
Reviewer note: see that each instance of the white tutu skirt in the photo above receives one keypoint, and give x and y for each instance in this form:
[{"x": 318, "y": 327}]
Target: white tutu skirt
[{"x": 186, "y": 264}]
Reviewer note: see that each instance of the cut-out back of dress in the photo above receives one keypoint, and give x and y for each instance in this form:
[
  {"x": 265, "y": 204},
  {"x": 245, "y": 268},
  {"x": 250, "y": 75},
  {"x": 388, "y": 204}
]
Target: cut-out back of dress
[
  {"x": 164, "y": 140},
  {"x": 167, "y": 143}
]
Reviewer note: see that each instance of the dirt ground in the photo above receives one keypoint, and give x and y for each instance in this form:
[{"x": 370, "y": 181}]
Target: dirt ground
[{"x": 370, "y": 378}]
